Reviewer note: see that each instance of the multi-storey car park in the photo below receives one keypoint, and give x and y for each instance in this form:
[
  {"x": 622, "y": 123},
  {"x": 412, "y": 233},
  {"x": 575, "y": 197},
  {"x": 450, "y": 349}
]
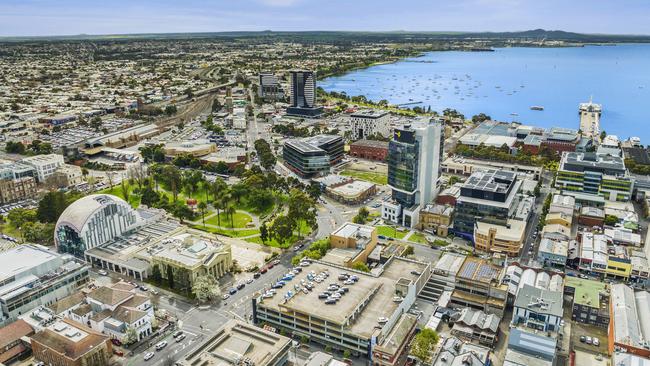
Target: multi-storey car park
[{"x": 364, "y": 316}]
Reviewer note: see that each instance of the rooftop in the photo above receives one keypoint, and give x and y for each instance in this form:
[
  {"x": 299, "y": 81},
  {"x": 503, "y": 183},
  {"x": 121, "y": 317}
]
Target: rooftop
[
  {"x": 69, "y": 338},
  {"x": 23, "y": 258},
  {"x": 480, "y": 270},
  {"x": 349, "y": 230},
  {"x": 497, "y": 181},
  {"x": 579, "y": 162},
  {"x": 587, "y": 292},
  {"x": 449, "y": 264},
  {"x": 352, "y": 189},
  {"x": 371, "y": 294},
  {"x": 538, "y": 346},
  {"x": 371, "y": 143},
  {"x": 369, "y": 113},
  {"x": 539, "y": 300},
  {"x": 631, "y": 315},
  {"x": 237, "y": 341}
]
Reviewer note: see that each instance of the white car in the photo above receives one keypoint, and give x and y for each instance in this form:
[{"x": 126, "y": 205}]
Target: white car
[
  {"x": 102, "y": 272},
  {"x": 249, "y": 281},
  {"x": 148, "y": 356},
  {"x": 225, "y": 296},
  {"x": 596, "y": 341},
  {"x": 382, "y": 320},
  {"x": 161, "y": 345}
]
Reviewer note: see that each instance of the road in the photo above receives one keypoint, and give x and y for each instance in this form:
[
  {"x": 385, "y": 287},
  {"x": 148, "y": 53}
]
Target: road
[{"x": 530, "y": 243}]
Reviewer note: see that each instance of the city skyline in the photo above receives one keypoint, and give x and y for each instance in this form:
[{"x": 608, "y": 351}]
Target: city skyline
[{"x": 72, "y": 17}]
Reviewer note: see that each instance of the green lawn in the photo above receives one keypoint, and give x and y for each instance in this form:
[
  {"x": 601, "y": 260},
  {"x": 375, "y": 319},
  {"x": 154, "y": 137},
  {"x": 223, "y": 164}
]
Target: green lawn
[
  {"x": 304, "y": 231},
  {"x": 134, "y": 199},
  {"x": 240, "y": 220},
  {"x": 376, "y": 178},
  {"x": 8, "y": 228},
  {"x": 391, "y": 232},
  {"x": 273, "y": 243},
  {"x": 230, "y": 233},
  {"x": 418, "y": 238}
]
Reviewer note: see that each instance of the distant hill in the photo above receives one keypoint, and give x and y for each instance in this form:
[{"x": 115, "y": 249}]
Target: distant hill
[{"x": 338, "y": 36}]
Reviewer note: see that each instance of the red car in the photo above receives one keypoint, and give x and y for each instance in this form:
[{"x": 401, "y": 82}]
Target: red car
[{"x": 263, "y": 270}]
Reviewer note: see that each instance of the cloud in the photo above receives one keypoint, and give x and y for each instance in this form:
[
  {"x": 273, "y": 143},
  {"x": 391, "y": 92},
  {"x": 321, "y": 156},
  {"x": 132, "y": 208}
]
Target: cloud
[{"x": 280, "y": 3}]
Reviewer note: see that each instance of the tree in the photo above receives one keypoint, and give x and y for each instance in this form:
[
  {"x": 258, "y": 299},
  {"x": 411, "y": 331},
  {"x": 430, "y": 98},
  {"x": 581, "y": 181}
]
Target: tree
[
  {"x": 180, "y": 210},
  {"x": 170, "y": 277},
  {"x": 611, "y": 220},
  {"x": 21, "y": 216},
  {"x": 205, "y": 288},
  {"x": 481, "y": 117},
  {"x": 37, "y": 232},
  {"x": 125, "y": 191},
  {"x": 202, "y": 207},
  {"x": 156, "y": 276},
  {"x": 362, "y": 216},
  {"x": 603, "y": 134},
  {"x": 149, "y": 197},
  {"x": 171, "y": 110},
  {"x": 282, "y": 228},
  {"x": 423, "y": 343},
  {"x": 173, "y": 178},
  {"x": 264, "y": 232},
  {"x": 51, "y": 206},
  {"x": 15, "y": 147},
  {"x": 130, "y": 336},
  {"x": 230, "y": 211},
  {"x": 410, "y": 250},
  {"x": 360, "y": 266}
]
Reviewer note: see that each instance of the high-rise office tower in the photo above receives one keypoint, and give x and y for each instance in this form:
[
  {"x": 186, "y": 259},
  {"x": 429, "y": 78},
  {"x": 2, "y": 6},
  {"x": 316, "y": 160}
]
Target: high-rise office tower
[
  {"x": 414, "y": 159},
  {"x": 590, "y": 120},
  {"x": 302, "y": 100}
]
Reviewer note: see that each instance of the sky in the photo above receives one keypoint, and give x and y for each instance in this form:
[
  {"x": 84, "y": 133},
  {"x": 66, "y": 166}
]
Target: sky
[{"x": 71, "y": 17}]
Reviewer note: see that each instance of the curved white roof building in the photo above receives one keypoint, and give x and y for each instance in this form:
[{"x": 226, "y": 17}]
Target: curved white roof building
[{"x": 92, "y": 221}]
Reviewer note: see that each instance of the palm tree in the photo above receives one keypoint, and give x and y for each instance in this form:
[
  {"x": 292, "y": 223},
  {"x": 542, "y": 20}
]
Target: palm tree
[
  {"x": 230, "y": 210},
  {"x": 202, "y": 207}
]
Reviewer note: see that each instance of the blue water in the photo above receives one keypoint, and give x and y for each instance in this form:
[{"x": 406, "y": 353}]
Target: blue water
[{"x": 510, "y": 80}]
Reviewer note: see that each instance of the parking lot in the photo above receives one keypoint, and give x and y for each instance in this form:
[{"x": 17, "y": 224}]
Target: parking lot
[{"x": 579, "y": 330}]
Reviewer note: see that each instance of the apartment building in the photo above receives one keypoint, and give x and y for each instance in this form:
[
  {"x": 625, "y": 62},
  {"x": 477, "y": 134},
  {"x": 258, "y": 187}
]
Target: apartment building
[{"x": 365, "y": 123}]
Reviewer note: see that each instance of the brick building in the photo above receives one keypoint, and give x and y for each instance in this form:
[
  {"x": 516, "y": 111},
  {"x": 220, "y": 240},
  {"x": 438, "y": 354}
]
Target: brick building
[{"x": 369, "y": 149}]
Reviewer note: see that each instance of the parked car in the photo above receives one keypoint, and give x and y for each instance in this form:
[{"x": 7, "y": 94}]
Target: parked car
[
  {"x": 257, "y": 275},
  {"x": 249, "y": 281},
  {"x": 180, "y": 337},
  {"x": 177, "y": 333},
  {"x": 589, "y": 340},
  {"x": 116, "y": 342},
  {"x": 596, "y": 341},
  {"x": 101, "y": 272},
  {"x": 583, "y": 339},
  {"x": 161, "y": 345},
  {"x": 232, "y": 291},
  {"x": 148, "y": 356},
  {"x": 225, "y": 296}
]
